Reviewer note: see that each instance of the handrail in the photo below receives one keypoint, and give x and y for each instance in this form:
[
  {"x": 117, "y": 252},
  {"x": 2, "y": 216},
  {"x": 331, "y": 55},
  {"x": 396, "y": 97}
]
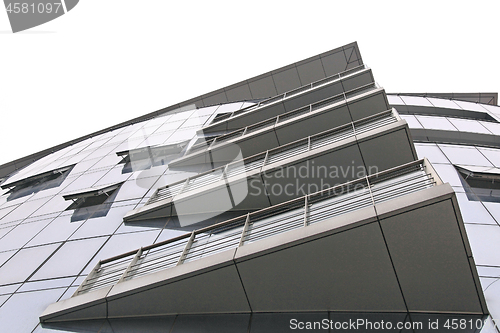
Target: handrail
[
  {"x": 341, "y": 132},
  {"x": 330, "y": 102},
  {"x": 291, "y": 93},
  {"x": 236, "y": 232}
]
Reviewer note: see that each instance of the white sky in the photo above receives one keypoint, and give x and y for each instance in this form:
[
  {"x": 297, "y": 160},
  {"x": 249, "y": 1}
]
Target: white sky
[{"x": 108, "y": 61}]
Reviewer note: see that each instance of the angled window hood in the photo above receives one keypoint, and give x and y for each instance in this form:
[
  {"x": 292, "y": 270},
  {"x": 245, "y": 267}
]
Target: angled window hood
[
  {"x": 92, "y": 204},
  {"x": 37, "y": 183}
]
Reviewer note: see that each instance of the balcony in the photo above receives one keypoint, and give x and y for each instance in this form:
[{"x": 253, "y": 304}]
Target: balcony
[
  {"x": 288, "y": 127},
  {"x": 355, "y": 79},
  {"x": 354, "y": 247},
  {"x": 332, "y": 157}
]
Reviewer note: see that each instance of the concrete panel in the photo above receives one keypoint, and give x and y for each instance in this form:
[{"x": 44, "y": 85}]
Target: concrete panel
[
  {"x": 333, "y": 272},
  {"x": 371, "y": 104},
  {"x": 387, "y": 151},
  {"x": 284, "y": 322},
  {"x": 313, "y": 96},
  {"x": 430, "y": 260},
  {"x": 334, "y": 63},
  {"x": 90, "y": 305},
  {"x": 241, "y": 93},
  {"x": 233, "y": 323},
  {"x": 258, "y": 143},
  {"x": 263, "y": 87},
  {"x": 311, "y": 71},
  {"x": 310, "y": 125},
  {"x": 312, "y": 175},
  {"x": 286, "y": 80},
  {"x": 254, "y": 117},
  {"x": 357, "y": 80},
  {"x": 216, "y": 291},
  {"x": 219, "y": 97}
]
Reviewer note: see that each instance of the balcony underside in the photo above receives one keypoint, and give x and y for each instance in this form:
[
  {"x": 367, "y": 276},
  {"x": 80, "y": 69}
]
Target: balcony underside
[
  {"x": 284, "y": 130},
  {"x": 281, "y": 105},
  {"x": 293, "y": 176},
  {"x": 409, "y": 250}
]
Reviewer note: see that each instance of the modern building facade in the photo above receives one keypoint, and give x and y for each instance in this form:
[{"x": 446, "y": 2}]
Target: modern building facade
[{"x": 306, "y": 198}]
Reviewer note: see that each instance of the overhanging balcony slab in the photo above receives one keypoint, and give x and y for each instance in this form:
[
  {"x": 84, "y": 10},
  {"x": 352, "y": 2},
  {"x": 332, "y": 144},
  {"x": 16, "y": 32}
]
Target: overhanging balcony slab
[
  {"x": 286, "y": 128},
  {"x": 283, "y": 178},
  {"x": 375, "y": 259},
  {"x": 84, "y": 307},
  {"x": 334, "y": 272},
  {"x": 201, "y": 286},
  {"x": 284, "y": 103},
  {"x": 430, "y": 237}
]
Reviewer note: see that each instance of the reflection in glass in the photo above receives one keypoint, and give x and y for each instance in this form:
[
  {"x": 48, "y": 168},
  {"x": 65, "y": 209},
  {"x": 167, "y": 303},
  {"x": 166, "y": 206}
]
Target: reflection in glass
[{"x": 480, "y": 186}]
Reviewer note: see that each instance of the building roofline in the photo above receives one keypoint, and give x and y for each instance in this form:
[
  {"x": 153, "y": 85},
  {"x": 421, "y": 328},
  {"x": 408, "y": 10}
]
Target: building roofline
[
  {"x": 220, "y": 96},
  {"x": 489, "y": 98}
]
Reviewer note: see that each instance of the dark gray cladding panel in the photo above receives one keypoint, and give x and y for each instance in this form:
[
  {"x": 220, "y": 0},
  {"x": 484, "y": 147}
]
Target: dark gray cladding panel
[
  {"x": 84, "y": 313},
  {"x": 311, "y": 71},
  {"x": 387, "y": 151},
  {"x": 350, "y": 270},
  {"x": 286, "y": 80},
  {"x": 314, "y": 96},
  {"x": 431, "y": 263},
  {"x": 368, "y": 106},
  {"x": 317, "y": 173},
  {"x": 335, "y": 62},
  {"x": 226, "y": 323},
  {"x": 263, "y": 87},
  {"x": 312, "y": 125},
  {"x": 219, "y": 290}
]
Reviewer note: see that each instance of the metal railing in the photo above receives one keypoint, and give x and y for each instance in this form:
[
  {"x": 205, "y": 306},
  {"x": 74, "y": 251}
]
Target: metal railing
[
  {"x": 324, "y": 105},
  {"x": 297, "y": 213},
  {"x": 280, "y": 97},
  {"x": 275, "y": 155}
]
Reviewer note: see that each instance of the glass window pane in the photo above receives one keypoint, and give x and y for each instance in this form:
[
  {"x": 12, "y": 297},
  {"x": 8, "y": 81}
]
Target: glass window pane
[
  {"x": 20, "y": 313},
  {"x": 466, "y": 125},
  {"x": 471, "y": 106},
  {"x": 70, "y": 259},
  {"x": 415, "y": 100},
  {"x": 432, "y": 152},
  {"x": 57, "y": 231},
  {"x": 493, "y": 155},
  {"x": 412, "y": 121},
  {"x": 24, "y": 263},
  {"x": 395, "y": 100},
  {"x": 448, "y": 174},
  {"x": 492, "y": 127},
  {"x": 439, "y": 123},
  {"x": 473, "y": 211},
  {"x": 464, "y": 155},
  {"x": 484, "y": 243},
  {"x": 443, "y": 103}
]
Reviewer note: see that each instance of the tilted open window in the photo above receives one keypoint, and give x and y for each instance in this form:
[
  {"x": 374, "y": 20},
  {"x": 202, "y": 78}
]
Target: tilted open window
[
  {"x": 37, "y": 183},
  {"x": 480, "y": 183},
  {"x": 147, "y": 157},
  {"x": 92, "y": 204}
]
